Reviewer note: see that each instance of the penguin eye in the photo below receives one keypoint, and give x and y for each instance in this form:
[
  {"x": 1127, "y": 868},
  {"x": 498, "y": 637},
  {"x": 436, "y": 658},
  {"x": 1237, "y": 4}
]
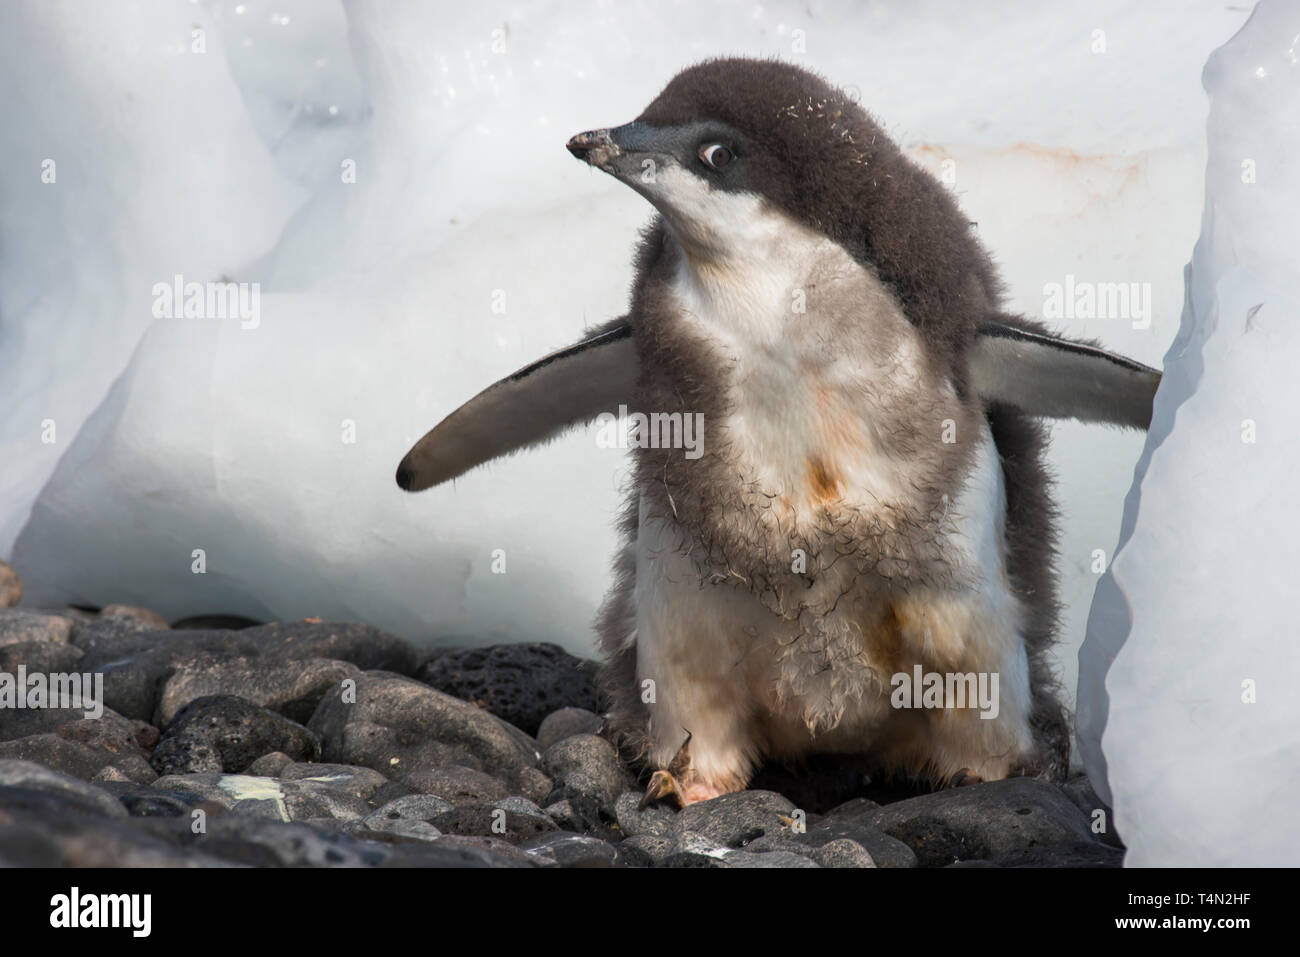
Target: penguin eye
[{"x": 715, "y": 155}]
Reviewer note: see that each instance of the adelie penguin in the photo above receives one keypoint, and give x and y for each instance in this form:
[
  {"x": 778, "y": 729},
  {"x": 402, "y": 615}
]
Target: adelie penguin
[{"x": 871, "y": 495}]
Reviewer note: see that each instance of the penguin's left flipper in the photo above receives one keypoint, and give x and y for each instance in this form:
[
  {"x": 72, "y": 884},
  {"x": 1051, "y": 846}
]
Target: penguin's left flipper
[
  {"x": 1016, "y": 364},
  {"x": 527, "y": 408}
]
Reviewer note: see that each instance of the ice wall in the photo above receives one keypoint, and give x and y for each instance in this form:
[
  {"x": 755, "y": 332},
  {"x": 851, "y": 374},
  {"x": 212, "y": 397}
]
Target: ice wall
[
  {"x": 1073, "y": 137},
  {"x": 1187, "y": 706}
]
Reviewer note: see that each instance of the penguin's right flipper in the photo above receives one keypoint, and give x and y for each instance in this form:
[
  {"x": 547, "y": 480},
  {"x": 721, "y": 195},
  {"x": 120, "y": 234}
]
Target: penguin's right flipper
[
  {"x": 1014, "y": 363},
  {"x": 527, "y": 408}
]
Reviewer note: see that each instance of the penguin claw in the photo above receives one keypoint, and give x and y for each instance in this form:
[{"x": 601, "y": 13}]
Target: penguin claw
[
  {"x": 964, "y": 778},
  {"x": 663, "y": 784},
  {"x": 662, "y": 787}
]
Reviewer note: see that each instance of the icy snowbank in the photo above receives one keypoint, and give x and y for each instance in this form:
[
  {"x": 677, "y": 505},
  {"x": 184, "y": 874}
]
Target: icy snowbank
[
  {"x": 1196, "y": 611},
  {"x": 1077, "y": 146}
]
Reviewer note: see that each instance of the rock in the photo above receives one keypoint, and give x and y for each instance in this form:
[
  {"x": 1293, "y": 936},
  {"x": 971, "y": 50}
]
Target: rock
[
  {"x": 86, "y": 747},
  {"x": 42, "y": 656},
  {"x": 399, "y": 726},
  {"x": 365, "y": 646},
  {"x": 1079, "y": 790},
  {"x": 225, "y": 733},
  {"x": 20, "y": 626},
  {"x": 406, "y": 819},
  {"x": 200, "y": 789},
  {"x": 1078, "y": 854},
  {"x": 269, "y": 765},
  {"x": 733, "y": 820},
  {"x": 136, "y": 663},
  {"x": 11, "y": 586},
  {"x": 854, "y": 821},
  {"x": 577, "y": 814},
  {"x": 142, "y": 616},
  {"x": 767, "y": 859},
  {"x": 632, "y": 821},
  {"x": 415, "y": 808},
  {"x": 306, "y": 799},
  {"x": 42, "y": 829},
  {"x": 843, "y": 852},
  {"x": 656, "y": 847},
  {"x": 565, "y": 723},
  {"x": 457, "y": 785},
  {"x": 513, "y": 819},
  {"x": 291, "y": 687},
  {"x": 571, "y": 850},
  {"x": 983, "y": 820},
  {"x": 30, "y": 776},
  {"x": 519, "y": 683},
  {"x": 361, "y": 782},
  {"x": 587, "y": 765}
]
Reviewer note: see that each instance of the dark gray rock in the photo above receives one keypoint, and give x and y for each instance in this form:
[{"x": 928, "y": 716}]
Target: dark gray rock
[
  {"x": 855, "y": 821},
  {"x": 225, "y": 733},
  {"x": 457, "y": 784},
  {"x": 367, "y": 647},
  {"x": 513, "y": 819},
  {"x": 1100, "y": 817},
  {"x": 399, "y": 726},
  {"x": 35, "y": 777},
  {"x": 202, "y": 788},
  {"x": 136, "y": 663},
  {"x": 408, "y": 817},
  {"x": 11, "y": 586},
  {"x": 83, "y": 747},
  {"x": 983, "y": 821},
  {"x": 131, "y": 769},
  {"x": 519, "y": 683},
  {"x": 767, "y": 860},
  {"x": 733, "y": 820},
  {"x": 18, "y": 626},
  {"x": 655, "y": 847},
  {"x": 42, "y": 656},
  {"x": 843, "y": 852},
  {"x": 571, "y": 850},
  {"x": 44, "y": 829},
  {"x": 270, "y": 765},
  {"x": 565, "y": 723},
  {"x": 587, "y": 765},
  {"x": 288, "y": 686},
  {"x": 1078, "y": 854},
  {"x": 358, "y": 781},
  {"x": 632, "y": 820}
]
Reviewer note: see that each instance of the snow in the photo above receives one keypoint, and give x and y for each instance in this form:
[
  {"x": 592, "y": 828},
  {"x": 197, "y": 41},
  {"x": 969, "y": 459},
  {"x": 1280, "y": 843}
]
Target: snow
[
  {"x": 1076, "y": 138},
  {"x": 1190, "y": 651}
]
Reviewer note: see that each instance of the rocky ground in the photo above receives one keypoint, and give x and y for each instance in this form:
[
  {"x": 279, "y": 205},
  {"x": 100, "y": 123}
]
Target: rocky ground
[{"x": 309, "y": 743}]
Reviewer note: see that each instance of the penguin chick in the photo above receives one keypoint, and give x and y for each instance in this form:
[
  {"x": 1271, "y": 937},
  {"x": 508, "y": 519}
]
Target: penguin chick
[{"x": 869, "y": 504}]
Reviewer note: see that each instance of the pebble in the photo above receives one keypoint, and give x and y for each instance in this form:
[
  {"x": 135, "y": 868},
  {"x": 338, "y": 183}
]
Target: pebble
[{"x": 519, "y": 683}]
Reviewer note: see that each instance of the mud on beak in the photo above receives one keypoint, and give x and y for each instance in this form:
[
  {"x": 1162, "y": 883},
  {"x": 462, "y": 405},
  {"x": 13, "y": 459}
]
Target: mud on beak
[{"x": 595, "y": 147}]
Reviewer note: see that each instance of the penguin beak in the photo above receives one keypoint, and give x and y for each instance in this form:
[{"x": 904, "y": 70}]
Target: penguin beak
[
  {"x": 594, "y": 147},
  {"x": 622, "y": 151}
]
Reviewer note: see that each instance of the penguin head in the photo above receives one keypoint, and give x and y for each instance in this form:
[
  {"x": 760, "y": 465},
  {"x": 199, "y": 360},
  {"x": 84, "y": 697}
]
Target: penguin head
[{"x": 731, "y": 141}]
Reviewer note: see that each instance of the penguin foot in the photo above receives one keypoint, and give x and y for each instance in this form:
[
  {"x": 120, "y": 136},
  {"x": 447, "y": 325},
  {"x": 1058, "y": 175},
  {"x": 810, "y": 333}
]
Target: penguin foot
[
  {"x": 662, "y": 787},
  {"x": 964, "y": 778},
  {"x": 678, "y": 784}
]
